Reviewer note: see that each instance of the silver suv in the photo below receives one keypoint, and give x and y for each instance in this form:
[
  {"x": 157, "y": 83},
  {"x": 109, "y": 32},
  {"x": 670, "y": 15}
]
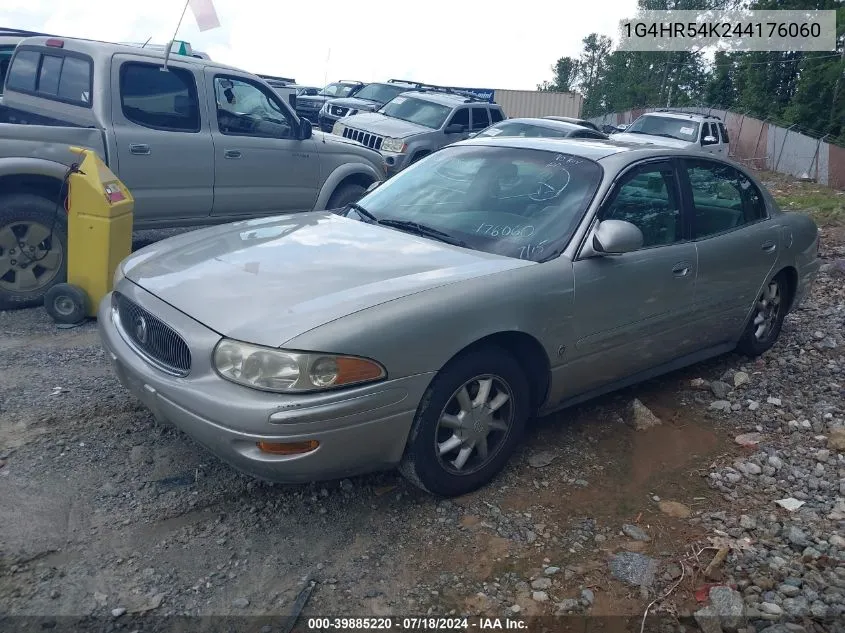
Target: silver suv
[
  {"x": 418, "y": 122},
  {"x": 678, "y": 129}
]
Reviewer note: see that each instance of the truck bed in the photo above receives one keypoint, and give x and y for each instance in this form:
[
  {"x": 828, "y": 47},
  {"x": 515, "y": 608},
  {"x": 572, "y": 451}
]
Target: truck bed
[{"x": 28, "y": 135}]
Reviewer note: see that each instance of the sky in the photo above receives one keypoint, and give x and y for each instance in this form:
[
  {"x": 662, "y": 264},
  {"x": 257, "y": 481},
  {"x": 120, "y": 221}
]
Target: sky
[{"x": 445, "y": 42}]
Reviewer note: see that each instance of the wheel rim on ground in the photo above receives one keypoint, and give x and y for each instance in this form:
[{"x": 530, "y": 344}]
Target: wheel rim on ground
[
  {"x": 768, "y": 311},
  {"x": 64, "y": 306},
  {"x": 474, "y": 424},
  {"x": 30, "y": 256}
]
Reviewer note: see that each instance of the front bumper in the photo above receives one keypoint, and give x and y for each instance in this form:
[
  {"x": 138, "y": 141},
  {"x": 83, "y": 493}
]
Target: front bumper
[
  {"x": 394, "y": 163},
  {"x": 360, "y": 429},
  {"x": 327, "y": 121}
]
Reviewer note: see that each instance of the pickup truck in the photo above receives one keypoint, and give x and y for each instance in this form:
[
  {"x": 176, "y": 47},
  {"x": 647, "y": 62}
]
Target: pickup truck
[{"x": 201, "y": 143}]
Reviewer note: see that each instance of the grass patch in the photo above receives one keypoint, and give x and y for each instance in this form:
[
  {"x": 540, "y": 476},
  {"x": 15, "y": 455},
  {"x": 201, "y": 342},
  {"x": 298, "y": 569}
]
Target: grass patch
[{"x": 825, "y": 205}]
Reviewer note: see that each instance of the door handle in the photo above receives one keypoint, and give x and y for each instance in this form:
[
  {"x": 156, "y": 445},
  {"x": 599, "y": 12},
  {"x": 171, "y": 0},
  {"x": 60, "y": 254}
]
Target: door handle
[
  {"x": 768, "y": 246},
  {"x": 141, "y": 149},
  {"x": 232, "y": 153},
  {"x": 681, "y": 270}
]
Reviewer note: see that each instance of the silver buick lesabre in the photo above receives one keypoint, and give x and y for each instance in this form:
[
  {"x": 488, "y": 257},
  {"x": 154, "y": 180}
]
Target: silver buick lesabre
[{"x": 495, "y": 280}]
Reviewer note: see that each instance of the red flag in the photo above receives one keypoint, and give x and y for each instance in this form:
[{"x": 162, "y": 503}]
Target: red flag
[{"x": 204, "y": 14}]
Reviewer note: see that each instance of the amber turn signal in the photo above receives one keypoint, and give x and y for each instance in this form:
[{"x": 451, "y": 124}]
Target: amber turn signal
[
  {"x": 287, "y": 448},
  {"x": 350, "y": 370}
]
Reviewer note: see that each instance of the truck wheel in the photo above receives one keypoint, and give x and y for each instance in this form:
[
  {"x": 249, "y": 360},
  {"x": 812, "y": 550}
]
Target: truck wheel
[
  {"x": 346, "y": 194},
  {"x": 33, "y": 247}
]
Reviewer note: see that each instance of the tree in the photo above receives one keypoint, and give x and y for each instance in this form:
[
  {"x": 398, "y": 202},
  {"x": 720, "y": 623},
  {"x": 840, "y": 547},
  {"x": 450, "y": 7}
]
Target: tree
[{"x": 565, "y": 72}]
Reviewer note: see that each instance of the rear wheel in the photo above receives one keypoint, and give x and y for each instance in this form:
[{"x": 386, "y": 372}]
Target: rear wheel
[
  {"x": 33, "y": 247},
  {"x": 469, "y": 422},
  {"x": 764, "y": 328},
  {"x": 346, "y": 194}
]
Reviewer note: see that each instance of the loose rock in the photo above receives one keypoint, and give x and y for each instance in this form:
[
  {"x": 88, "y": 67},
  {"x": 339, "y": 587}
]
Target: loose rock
[{"x": 640, "y": 417}]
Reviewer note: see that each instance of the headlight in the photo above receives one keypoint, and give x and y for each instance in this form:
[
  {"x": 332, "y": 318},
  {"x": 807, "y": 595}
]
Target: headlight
[
  {"x": 338, "y": 128},
  {"x": 272, "y": 369},
  {"x": 118, "y": 275},
  {"x": 396, "y": 145},
  {"x": 325, "y": 107}
]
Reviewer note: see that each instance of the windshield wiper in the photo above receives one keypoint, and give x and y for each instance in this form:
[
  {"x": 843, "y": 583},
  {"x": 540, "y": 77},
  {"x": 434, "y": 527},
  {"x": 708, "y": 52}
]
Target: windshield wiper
[
  {"x": 422, "y": 229},
  {"x": 361, "y": 211}
]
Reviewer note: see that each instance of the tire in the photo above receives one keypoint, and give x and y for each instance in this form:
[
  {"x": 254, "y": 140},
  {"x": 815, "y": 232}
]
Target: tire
[
  {"x": 346, "y": 194},
  {"x": 422, "y": 463},
  {"x": 25, "y": 217},
  {"x": 766, "y": 321},
  {"x": 66, "y": 303}
]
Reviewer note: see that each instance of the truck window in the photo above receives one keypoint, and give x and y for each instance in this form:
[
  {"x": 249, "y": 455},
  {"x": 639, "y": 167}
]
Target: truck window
[
  {"x": 480, "y": 118},
  {"x": 75, "y": 80},
  {"x": 496, "y": 115},
  {"x": 461, "y": 117},
  {"x": 247, "y": 109},
  {"x": 5, "y": 58},
  {"x": 23, "y": 71},
  {"x": 48, "y": 76},
  {"x": 159, "y": 100}
]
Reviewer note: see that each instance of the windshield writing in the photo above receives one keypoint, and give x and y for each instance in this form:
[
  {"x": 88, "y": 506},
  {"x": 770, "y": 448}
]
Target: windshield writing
[{"x": 519, "y": 203}]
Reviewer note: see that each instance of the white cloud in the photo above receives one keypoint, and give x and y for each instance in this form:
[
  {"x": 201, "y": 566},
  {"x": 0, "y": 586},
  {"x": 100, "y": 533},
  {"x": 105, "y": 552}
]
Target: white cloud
[{"x": 473, "y": 44}]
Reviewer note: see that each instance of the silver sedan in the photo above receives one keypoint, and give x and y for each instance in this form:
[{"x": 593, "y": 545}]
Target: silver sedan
[{"x": 495, "y": 280}]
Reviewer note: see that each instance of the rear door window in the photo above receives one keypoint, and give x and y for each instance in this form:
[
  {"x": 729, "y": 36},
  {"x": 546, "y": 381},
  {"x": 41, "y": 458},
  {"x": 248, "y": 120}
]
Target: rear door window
[{"x": 159, "y": 100}]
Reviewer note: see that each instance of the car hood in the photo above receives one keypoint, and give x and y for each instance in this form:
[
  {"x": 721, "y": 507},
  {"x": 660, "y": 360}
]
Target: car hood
[
  {"x": 648, "y": 139},
  {"x": 355, "y": 103},
  {"x": 382, "y": 125},
  {"x": 266, "y": 281}
]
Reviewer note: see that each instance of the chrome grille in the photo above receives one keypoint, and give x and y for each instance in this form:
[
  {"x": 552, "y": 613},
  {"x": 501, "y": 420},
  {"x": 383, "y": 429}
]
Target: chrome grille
[
  {"x": 364, "y": 138},
  {"x": 152, "y": 338},
  {"x": 339, "y": 111}
]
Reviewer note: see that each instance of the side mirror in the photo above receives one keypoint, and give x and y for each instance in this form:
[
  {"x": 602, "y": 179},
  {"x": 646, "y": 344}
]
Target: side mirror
[
  {"x": 454, "y": 128},
  {"x": 615, "y": 237},
  {"x": 305, "y": 129},
  {"x": 709, "y": 140},
  {"x": 373, "y": 186}
]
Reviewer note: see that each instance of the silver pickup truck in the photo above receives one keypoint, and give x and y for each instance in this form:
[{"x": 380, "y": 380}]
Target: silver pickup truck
[{"x": 201, "y": 143}]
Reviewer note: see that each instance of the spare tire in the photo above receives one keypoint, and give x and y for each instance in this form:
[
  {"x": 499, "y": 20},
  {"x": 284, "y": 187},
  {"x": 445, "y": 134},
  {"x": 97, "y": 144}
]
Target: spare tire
[{"x": 33, "y": 249}]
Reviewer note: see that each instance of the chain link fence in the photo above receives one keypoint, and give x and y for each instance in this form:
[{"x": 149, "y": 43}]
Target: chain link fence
[{"x": 765, "y": 144}]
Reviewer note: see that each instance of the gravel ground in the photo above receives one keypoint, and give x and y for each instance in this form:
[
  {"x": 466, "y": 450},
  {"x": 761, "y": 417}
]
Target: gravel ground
[{"x": 604, "y": 510}]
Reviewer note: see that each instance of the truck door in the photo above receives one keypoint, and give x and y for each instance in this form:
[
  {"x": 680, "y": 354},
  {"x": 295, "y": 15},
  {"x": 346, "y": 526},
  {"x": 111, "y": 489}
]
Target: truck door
[
  {"x": 260, "y": 166},
  {"x": 165, "y": 154}
]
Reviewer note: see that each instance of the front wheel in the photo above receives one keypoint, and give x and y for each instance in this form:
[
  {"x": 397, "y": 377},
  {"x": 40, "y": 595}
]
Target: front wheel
[
  {"x": 33, "y": 244},
  {"x": 468, "y": 424},
  {"x": 764, "y": 328},
  {"x": 346, "y": 194}
]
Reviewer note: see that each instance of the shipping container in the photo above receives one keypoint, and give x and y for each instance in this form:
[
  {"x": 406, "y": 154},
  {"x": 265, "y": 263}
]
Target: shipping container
[{"x": 534, "y": 103}]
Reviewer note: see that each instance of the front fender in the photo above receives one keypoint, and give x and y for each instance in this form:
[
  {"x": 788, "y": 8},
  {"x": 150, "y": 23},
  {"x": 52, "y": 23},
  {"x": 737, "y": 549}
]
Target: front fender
[{"x": 340, "y": 174}]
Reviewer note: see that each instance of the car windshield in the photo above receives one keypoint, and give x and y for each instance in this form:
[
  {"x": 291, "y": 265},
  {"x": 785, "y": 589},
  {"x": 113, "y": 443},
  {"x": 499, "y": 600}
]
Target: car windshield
[
  {"x": 380, "y": 93},
  {"x": 337, "y": 90},
  {"x": 520, "y": 203},
  {"x": 670, "y": 127},
  {"x": 424, "y": 113},
  {"x": 520, "y": 128}
]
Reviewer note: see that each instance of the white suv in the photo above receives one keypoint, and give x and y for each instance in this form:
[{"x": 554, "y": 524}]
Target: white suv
[{"x": 678, "y": 129}]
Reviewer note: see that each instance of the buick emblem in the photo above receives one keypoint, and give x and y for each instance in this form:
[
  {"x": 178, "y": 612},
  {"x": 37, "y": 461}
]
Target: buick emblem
[{"x": 141, "y": 329}]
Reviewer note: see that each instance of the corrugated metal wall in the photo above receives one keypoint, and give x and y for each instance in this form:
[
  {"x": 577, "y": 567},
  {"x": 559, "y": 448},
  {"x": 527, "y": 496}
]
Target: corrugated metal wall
[
  {"x": 519, "y": 103},
  {"x": 764, "y": 145}
]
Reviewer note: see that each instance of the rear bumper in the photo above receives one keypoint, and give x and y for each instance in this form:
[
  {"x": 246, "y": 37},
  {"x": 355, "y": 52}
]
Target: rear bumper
[{"x": 359, "y": 429}]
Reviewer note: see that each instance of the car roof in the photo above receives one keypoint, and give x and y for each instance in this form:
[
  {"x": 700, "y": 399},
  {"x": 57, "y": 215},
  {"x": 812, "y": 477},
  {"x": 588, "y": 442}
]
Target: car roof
[
  {"x": 601, "y": 150},
  {"x": 101, "y": 51},
  {"x": 550, "y": 124},
  {"x": 445, "y": 98},
  {"x": 686, "y": 116}
]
